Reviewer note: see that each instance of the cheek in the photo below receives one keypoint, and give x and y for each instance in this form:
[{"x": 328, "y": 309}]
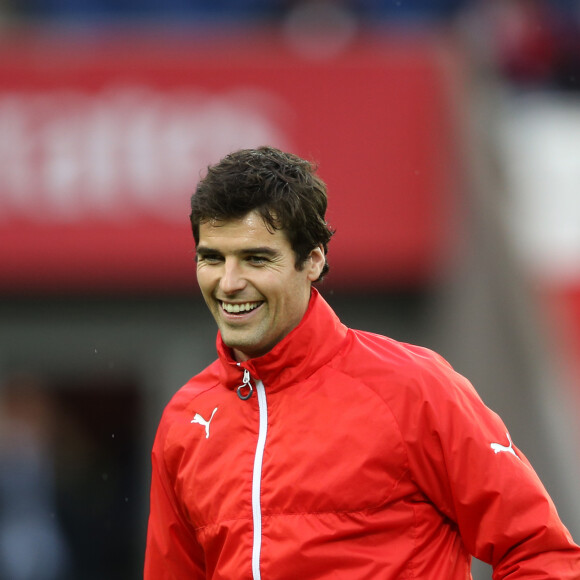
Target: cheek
[
  {"x": 204, "y": 281},
  {"x": 294, "y": 295}
]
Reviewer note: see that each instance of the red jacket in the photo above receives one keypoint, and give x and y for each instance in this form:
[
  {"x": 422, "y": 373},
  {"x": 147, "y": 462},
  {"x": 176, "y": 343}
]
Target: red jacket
[{"x": 356, "y": 457}]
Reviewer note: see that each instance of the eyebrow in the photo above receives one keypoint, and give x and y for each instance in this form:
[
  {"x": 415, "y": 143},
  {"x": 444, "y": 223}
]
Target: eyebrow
[{"x": 263, "y": 250}]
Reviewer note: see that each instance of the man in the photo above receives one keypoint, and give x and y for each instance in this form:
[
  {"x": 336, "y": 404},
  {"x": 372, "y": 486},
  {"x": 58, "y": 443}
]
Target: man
[{"x": 312, "y": 451}]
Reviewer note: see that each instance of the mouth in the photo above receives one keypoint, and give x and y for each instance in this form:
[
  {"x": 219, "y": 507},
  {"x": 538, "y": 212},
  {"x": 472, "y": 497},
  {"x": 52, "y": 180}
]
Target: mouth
[{"x": 239, "y": 308}]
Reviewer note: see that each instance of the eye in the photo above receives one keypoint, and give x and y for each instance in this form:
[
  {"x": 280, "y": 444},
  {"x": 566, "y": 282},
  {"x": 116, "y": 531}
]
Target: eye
[
  {"x": 257, "y": 260},
  {"x": 209, "y": 258}
]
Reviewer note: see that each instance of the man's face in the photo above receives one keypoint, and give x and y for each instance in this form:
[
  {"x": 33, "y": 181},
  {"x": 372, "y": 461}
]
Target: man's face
[{"x": 249, "y": 281}]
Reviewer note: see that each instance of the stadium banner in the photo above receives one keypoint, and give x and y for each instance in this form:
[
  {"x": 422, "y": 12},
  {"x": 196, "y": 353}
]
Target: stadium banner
[{"x": 102, "y": 142}]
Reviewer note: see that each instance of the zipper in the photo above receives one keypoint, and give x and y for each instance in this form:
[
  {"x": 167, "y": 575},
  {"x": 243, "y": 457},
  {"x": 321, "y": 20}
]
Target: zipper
[
  {"x": 257, "y": 479},
  {"x": 246, "y": 384},
  {"x": 245, "y": 391}
]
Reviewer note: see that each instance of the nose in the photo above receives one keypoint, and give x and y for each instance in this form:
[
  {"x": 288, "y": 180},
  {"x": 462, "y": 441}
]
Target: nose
[{"x": 232, "y": 280}]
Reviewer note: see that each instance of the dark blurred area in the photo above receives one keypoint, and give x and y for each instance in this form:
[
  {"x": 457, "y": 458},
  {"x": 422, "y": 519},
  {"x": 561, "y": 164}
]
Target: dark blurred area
[
  {"x": 68, "y": 479},
  {"x": 533, "y": 43},
  {"x": 262, "y": 10}
]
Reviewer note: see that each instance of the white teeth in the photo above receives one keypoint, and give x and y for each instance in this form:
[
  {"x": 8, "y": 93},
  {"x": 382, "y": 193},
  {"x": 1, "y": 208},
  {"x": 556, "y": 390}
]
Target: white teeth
[{"x": 236, "y": 308}]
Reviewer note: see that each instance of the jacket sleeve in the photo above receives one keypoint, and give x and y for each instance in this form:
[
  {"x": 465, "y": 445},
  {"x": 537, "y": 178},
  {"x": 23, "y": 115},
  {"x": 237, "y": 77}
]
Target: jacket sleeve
[
  {"x": 172, "y": 551},
  {"x": 462, "y": 457}
]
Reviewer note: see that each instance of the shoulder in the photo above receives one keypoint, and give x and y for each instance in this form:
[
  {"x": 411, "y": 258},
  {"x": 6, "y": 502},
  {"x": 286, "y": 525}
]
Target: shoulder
[
  {"x": 179, "y": 406},
  {"x": 421, "y": 391},
  {"x": 404, "y": 373},
  {"x": 174, "y": 436},
  {"x": 394, "y": 357}
]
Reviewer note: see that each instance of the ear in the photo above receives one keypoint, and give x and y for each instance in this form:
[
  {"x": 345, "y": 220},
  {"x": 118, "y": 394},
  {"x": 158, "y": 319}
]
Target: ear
[{"x": 314, "y": 263}]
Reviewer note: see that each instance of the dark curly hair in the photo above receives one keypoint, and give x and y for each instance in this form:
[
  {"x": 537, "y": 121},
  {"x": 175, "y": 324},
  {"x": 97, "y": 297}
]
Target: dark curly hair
[{"x": 283, "y": 188}]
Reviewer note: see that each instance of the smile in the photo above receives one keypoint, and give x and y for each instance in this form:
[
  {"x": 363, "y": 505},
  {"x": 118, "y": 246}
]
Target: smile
[{"x": 238, "y": 308}]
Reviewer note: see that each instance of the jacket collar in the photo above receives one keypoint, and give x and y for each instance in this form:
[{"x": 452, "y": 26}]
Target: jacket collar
[{"x": 310, "y": 345}]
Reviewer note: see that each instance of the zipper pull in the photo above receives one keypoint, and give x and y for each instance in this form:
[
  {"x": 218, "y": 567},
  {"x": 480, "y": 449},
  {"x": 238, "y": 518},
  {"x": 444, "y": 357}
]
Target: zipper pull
[{"x": 245, "y": 385}]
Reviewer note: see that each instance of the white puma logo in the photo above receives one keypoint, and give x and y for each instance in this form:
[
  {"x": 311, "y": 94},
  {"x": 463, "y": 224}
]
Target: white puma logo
[
  {"x": 497, "y": 448},
  {"x": 199, "y": 419}
]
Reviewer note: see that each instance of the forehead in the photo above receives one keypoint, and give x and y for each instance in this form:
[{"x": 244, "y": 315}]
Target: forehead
[{"x": 240, "y": 231}]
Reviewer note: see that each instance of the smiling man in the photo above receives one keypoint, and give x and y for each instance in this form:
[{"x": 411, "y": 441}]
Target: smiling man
[
  {"x": 248, "y": 277},
  {"x": 311, "y": 451}
]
